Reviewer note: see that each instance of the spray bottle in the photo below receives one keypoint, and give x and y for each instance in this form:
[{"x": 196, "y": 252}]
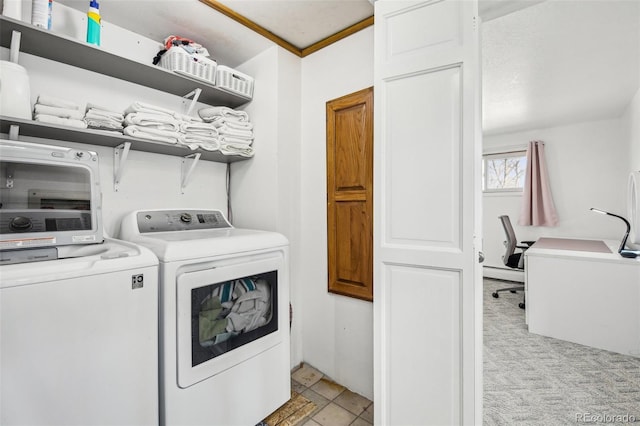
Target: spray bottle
[
  {"x": 41, "y": 13},
  {"x": 93, "y": 23}
]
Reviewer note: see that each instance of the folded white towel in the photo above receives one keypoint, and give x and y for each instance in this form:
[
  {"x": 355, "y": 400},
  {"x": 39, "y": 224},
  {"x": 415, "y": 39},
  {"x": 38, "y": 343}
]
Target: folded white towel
[
  {"x": 101, "y": 108},
  {"x": 208, "y": 114},
  {"x": 103, "y": 125},
  {"x": 57, "y": 102},
  {"x": 155, "y": 135},
  {"x": 58, "y": 112},
  {"x": 195, "y": 142},
  {"x": 100, "y": 111},
  {"x": 236, "y": 133},
  {"x": 143, "y": 107},
  {"x": 96, "y": 116},
  {"x": 155, "y": 121},
  {"x": 219, "y": 121},
  {"x": 52, "y": 119},
  {"x": 236, "y": 149},
  {"x": 188, "y": 118},
  {"x": 234, "y": 140},
  {"x": 203, "y": 129}
]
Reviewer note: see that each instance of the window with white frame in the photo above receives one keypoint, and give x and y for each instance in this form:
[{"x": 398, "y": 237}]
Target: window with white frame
[{"x": 504, "y": 171}]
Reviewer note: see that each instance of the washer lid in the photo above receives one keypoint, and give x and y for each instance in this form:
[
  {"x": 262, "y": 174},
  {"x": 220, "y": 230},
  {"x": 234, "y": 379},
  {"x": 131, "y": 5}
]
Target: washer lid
[
  {"x": 175, "y": 235},
  {"x": 93, "y": 260},
  {"x": 187, "y": 245}
]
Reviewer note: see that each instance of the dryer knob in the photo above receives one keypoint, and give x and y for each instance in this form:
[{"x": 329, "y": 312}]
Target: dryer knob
[
  {"x": 185, "y": 217},
  {"x": 20, "y": 224}
]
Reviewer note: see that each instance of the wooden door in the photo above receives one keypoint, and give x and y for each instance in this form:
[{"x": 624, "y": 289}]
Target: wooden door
[
  {"x": 427, "y": 279},
  {"x": 349, "y": 194}
]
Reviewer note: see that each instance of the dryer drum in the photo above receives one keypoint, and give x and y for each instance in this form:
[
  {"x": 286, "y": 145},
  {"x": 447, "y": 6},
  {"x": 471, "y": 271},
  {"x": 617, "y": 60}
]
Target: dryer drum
[{"x": 227, "y": 315}]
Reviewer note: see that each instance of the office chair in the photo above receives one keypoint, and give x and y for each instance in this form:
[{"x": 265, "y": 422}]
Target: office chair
[{"x": 510, "y": 258}]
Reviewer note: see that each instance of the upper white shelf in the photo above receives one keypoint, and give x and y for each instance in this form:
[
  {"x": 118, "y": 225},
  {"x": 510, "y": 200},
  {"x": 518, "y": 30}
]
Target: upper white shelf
[
  {"x": 109, "y": 139},
  {"x": 64, "y": 49}
]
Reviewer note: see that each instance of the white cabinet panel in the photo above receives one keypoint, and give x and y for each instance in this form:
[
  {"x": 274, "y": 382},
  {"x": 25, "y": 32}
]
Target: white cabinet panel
[
  {"x": 424, "y": 344},
  {"x": 422, "y": 165},
  {"x": 440, "y": 29}
]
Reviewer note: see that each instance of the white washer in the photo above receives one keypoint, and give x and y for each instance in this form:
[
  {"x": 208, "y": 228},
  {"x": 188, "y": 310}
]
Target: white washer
[
  {"x": 205, "y": 264},
  {"x": 78, "y": 341}
]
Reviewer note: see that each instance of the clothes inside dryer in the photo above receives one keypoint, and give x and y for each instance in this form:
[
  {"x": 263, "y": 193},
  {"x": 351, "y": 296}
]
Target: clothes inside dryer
[{"x": 227, "y": 315}]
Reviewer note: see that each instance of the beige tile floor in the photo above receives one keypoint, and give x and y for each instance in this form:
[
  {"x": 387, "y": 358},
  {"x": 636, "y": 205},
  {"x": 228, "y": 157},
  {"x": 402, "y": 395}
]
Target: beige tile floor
[{"x": 335, "y": 404}]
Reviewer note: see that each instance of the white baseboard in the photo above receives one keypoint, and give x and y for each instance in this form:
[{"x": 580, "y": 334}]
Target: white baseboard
[{"x": 503, "y": 274}]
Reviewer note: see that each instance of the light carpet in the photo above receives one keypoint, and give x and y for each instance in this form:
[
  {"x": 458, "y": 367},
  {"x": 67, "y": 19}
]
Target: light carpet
[{"x": 536, "y": 380}]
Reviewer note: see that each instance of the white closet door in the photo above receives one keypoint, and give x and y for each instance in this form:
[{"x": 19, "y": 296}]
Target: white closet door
[{"x": 427, "y": 279}]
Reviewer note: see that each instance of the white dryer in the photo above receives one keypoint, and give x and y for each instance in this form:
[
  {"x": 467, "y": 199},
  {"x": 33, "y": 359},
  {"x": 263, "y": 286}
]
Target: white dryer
[
  {"x": 224, "y": 319},
  {"x": 78, "y": 338}
]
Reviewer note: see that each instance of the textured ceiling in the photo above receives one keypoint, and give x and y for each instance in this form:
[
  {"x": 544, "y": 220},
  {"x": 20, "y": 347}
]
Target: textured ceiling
[
  {"x": 228, "y": 42},
  {"x": 559, "y": 62},
  {"x": 544, "y": 62},
  {"x": 302, "y": 22}
]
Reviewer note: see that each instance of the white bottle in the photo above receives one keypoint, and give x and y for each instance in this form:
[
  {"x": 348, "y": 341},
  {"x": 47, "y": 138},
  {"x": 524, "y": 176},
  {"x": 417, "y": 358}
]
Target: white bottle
[
  {"x": 41, "y": 13},
  {"x": 12, "y": 9}
]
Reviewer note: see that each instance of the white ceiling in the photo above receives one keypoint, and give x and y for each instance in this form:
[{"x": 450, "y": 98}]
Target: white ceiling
[
  {"x": 544, "y": 62},
  {"x": 300, "y": 22},
  {"x": 227, "y": 41},
  {"x": 303, "y": 22},
  {"x": 559, "y": 62}
]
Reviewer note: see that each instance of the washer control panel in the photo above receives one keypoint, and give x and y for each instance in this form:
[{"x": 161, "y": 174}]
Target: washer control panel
[{"x": 180, "y": 220}]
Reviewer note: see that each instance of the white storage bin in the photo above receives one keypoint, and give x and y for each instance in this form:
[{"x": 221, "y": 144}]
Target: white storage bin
[
  {"x": 234, "y": 81},
  {"x": 178, "y": 60}
]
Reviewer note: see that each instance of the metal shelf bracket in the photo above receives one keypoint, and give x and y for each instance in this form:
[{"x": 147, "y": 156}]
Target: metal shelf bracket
[
  {"x": 187, "y": 169},
  {"x": 195, "y": 94},
  {"x": 120, "y": 154},
  {"x": 14, "y": 131},
  {"x": 14, "y": 49}
]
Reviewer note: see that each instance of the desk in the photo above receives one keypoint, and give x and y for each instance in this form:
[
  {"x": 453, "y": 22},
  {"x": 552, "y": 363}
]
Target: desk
[{"x": 577, "y": 292}]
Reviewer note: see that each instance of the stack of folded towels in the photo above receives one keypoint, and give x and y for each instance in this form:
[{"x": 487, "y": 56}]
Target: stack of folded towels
[
  {"x": 48, "y": 109},
  {"x": 154, "y": 123},
  {"x": 234, "y": 129},
  {"x": 144, "y": 121},
  {"x": 102, "y": 118},
  {"x": 196, "y": 134}
]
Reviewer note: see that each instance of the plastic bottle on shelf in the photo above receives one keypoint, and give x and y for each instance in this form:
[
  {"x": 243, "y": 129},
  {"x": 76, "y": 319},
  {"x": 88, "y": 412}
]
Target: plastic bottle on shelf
[
  {"x": 41, "y": 13},
  {"x": 12, "y": 9},
  {"x": 93, "y": 23}
]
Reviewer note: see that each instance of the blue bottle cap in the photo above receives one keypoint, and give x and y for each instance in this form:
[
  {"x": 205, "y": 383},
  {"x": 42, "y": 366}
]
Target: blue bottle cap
[{"x": 94, "y": 3}]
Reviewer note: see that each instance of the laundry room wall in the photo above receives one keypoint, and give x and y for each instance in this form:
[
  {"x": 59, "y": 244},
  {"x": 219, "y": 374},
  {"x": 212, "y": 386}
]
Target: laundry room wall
[
  {"x": 632, "y": 118},
  {"x": 265, "y": 191},
  {"x": 337, "y": 330},
  {"x": 149, "y": 180}
]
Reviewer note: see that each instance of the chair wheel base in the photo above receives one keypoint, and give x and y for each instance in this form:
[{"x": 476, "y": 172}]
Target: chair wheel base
[
  {"x": 521, "y": 305},
  {"x": 495, "y": 295}
]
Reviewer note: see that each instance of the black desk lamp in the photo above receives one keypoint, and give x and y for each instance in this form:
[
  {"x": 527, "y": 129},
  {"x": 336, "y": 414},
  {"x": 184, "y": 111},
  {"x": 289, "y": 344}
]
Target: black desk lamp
[{"x": 623, "y": 252}]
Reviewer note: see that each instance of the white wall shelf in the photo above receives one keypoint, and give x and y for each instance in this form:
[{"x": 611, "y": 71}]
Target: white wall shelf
[
  {"x": 103, "y": 138},
  {"x": 67, "y": 50}
]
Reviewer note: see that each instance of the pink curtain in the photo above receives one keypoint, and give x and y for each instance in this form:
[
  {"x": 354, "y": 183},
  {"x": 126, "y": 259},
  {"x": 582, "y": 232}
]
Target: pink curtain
[{"x": 538, "y": 208}]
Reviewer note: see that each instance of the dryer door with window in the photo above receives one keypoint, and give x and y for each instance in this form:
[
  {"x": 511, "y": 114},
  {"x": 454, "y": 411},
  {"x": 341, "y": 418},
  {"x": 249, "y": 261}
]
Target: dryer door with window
[{"x": 227, "y": 313}]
